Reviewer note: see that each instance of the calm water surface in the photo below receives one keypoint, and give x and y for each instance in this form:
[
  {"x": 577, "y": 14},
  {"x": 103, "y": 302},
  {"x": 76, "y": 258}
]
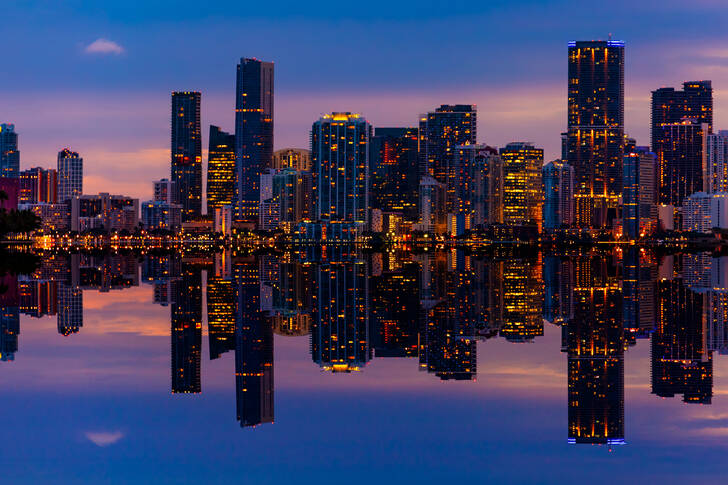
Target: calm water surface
[{"x": 338, "y": 367}]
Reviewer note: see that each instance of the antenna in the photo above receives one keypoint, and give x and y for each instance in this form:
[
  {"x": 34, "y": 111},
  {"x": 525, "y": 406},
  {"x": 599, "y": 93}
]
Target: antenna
[{"x": 610, "y": 36}]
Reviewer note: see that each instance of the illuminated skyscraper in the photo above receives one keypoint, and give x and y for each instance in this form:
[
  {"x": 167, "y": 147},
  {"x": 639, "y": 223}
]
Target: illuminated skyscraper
[
  {"x": 221, "y": 303},
  {"x": 522, "y": 189},
  {"x": 595, "y": 135},
  {"x": 395, "y": 171},
  {"x": 187, "y": 331},
  {"x": 187, "y": 152},
  {"x": 340, "y": 158},
  {"x": 558, "y": 186},
  {"x": 717, "y": 162},
  {"x": 522, "y": 299},
  {"x": 38, "y": 185},
  {"x": 9, "y": 153},
  {"x": 70, "y": 175},
  {"x": 440, "y": 132},
  {"x": 681, "y": 159},
  {"x": 695, "y": 101},
  {"x": 639, "y": 197},
  {"x": 478, "y": 179},
  {"x": 253, "y": 133},
  {"x": 295, "y": 158},
  {"x": 220, "y": 169}
]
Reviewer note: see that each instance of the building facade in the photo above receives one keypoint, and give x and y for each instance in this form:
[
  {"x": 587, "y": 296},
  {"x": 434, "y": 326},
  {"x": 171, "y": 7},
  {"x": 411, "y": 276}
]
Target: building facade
[
  {"x": 395, "y": 170},
  {"x": 187, "y": 152},
  {"x": 70, "y": 175},
  {"x": 220, "y": 169},
  {"x": 522, "y": 189},
  {"x": 39, "y": 185},
  {"x": 681, "y": 160},
  {"x": 639, "y": 197},
  {"x": 717, "y": 161},
  {"x": 9, "y": 153},
  {"x": 694, "y": 101},
  {"x": 558, "y": 184},
  {"x": 295, "y": 158}
]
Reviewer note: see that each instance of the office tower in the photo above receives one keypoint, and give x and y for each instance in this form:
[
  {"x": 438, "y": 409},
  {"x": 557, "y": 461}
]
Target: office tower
[
  {"x": 596, "y": 129},
  {"x": 717, "y": 161},
  {"x": 695, "y": 101},
  {"x": 639, "y": 197},
  {"x": 433, "y": 213},
  {"x": 440, "y": 132},
  {"x": 253, "y": 348},
  {"x": 681, "y": 362},
  {"x": 478, "y": 180},
  {"x": 186, "y": 335},
  {"x": 70, "y": 175},
  {"x": 296, "y": 158},
  {"x": 253, "y": 133},
  {"x": 104, "y": 211},
  {"x": 681, "y": 158},
  {"x": 558, "y": 186},
  {"x": 292, "y": 190},
  {"x": 220, "y": 169},
  {"x": 187, "y": 152},
  {"x": 70, "y": 309},
  {"x": 340, "y": 330},
  {"x": 522, "y": 190},
  {"x": 164, "y": 191},
  {"x": 594, "y": 342},
  {"x": 340, "y": 159},
  {"x": 9, "y": 153},
  {"x": 38, "y": 185},
  {"x": 395, "y": 171}
]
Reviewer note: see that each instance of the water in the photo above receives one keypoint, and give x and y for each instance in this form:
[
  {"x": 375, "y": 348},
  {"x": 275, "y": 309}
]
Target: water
[{"x": 341, "y": 367}]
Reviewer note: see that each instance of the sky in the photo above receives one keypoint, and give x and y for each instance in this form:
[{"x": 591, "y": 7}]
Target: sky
[{"x": 97, "y": 76}]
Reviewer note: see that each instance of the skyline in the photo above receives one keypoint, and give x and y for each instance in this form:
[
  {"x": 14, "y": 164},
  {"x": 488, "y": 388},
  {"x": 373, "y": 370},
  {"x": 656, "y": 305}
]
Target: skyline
[{"x": 114, "y": 100}]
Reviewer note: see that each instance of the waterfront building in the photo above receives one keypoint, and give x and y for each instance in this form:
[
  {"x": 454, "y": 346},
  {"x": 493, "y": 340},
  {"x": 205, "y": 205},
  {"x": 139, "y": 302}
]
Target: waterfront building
[
  {"x": 220, "y": 169},
  {"x": 38, "y": 185},
  {"x": 717, "y": 161},
  {"x": 395, "y": 171},
  {"x": 639, "y": 197},
  {"x": 522, "y": 185},
  {"x": 558, "y": 184},
  {"x": 164, "y": 191},
  {"x": 158, "y": 214},
  {"x": 681, "y": 157},
  {"x": 187, "y": 152},
  {"x": 70, "y": 175},
  {"x": 104, "y": 211},
  {"x": 694, "y": 101},
  {"x": 295, "y": 158},
  {"x": 9, "y": 153}
]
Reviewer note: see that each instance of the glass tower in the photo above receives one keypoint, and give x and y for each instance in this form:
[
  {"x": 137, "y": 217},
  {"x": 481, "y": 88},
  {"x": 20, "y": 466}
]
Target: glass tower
[
  {"x": 220, "y": 169},
  {"x": 187, "y": 152},
  {"x": 9, "y": 153}
]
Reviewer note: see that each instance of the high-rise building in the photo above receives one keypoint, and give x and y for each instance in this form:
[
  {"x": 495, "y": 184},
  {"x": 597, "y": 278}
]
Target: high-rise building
[
  {"x": 295, "y": 158},
  {"x": 70, "y": 309},
  {"x": 38, "y": 185},
  {"x": 681, "y": 160},
  {"x": 164, "y": 191},
  {"x": 340, "y": 159},
  {"x": 695, "y": 101},
  {"x": 478, "y": 180},
  {"x": 639, "y": 197},
  {"x": 440, "y": 132},
  {"x": 9, "y": 153},
  {"x": 595, "y": 135},
  {"x": 292, "y": 191},
  {"x": 187, "y": 331},
  {"x": 220, "y": 169},
  {"x": 253, "y": 133},
  {"x": 522, "y": 190},
  {"x": 221, "y": 304},
  {"x": 717, "y": 161},
  {"x": 395, "y": 171},
  {"x": 70, "y": 175},
  {"x": 187, "y": 152},
  {"x": 558, "y": 186}
]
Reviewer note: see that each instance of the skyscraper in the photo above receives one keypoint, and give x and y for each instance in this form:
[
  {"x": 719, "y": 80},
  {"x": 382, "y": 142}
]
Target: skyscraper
[
  {"x": 478, "y": 180},
  {"x": 595, "y": 135},
  {"x": 717, "y": 162},
  {"x": 440, "y": 132},
  {"x": 639, "y": 197},
  {"x": 681, "y": 158},
  {"x": 558, "y": 207},
  {"x": 186, "y": 331},
  {"x": 395, "y": 171},
  {"x": 38, "y": 185},
  {"x": 295, "y": 158},
  {"x": 695, "y": 101},
  {"x": 9, "y": 153},
  {"x": 70, "y": 175},
  {"x": 522, "y": 191},
  {"x": 340, "y": 159},
  {"x": 253, "y": 133},
  {"x": 220, "y": 169},
  {"x": 187, "y": 152}
]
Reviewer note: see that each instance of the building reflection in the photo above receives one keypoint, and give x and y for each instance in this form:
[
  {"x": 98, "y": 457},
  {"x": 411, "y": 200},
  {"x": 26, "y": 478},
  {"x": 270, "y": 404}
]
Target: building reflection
[{"x": 435, "y": 310}]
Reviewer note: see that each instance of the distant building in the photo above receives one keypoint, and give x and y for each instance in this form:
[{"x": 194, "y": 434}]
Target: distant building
[
  {"x": 38, "y": 185},
  {"x": 595, "y": 135},
  {"x": 164, "y": 191},
  {"x": 717, "y": 161},
  {"x": 161, "y": 215},
  {"x": 478, "y": 180},
  {"x": 53, "y": 217},
  {"x": 681, "y": 158},
  {"x": 558, "y": 183},
  {"x": 522, "y": 190},
  {"x": 220, "y": 169},
  {"x": 253, "y": 133},
  {"x": 104, "y": 211},
  {"x": 433, "y": 215},
  {"x": 394, "y": 171},
  {"x": 702, "y": 212},
  {"x": 70, "y": 175},
  {"x": 694, "y": 101},
  {"x": 187, "y": 152},
  {"x": 295, "y": 158},
  {"x": 639, "y": 197},
  {"x": 9, "y": 153},
  {"x": 292, "y": 190}
]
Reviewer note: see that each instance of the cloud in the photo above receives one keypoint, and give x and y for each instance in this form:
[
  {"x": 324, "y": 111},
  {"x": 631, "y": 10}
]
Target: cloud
[
  {"x": 103, "y": 46},
  {"x": 104, "y": 438}
]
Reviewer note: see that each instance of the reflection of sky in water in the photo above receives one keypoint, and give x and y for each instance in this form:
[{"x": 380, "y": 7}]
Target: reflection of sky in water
[{"x": 96, "y": 407}]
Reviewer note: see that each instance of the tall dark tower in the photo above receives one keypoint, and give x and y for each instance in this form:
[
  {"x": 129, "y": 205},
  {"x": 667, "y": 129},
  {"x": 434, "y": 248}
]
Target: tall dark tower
[
  {"x": 595, "y": 136},
  {"x": 187, "y": 332},
  {"x": 253, "y": 133},
  {"x": 695, "y": 101},
  {"x": 187, "y": 152}
]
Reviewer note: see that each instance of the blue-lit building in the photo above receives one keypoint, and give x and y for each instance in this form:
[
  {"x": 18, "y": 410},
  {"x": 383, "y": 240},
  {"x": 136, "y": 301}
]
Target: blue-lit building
[
  {"x": 187, "y": 153},
  {"x": 253, "y": 133},
  {"x": 9, "y": 153},
  {"x": 639, "y": 197},
  {"x": 558, "y": 206}
]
